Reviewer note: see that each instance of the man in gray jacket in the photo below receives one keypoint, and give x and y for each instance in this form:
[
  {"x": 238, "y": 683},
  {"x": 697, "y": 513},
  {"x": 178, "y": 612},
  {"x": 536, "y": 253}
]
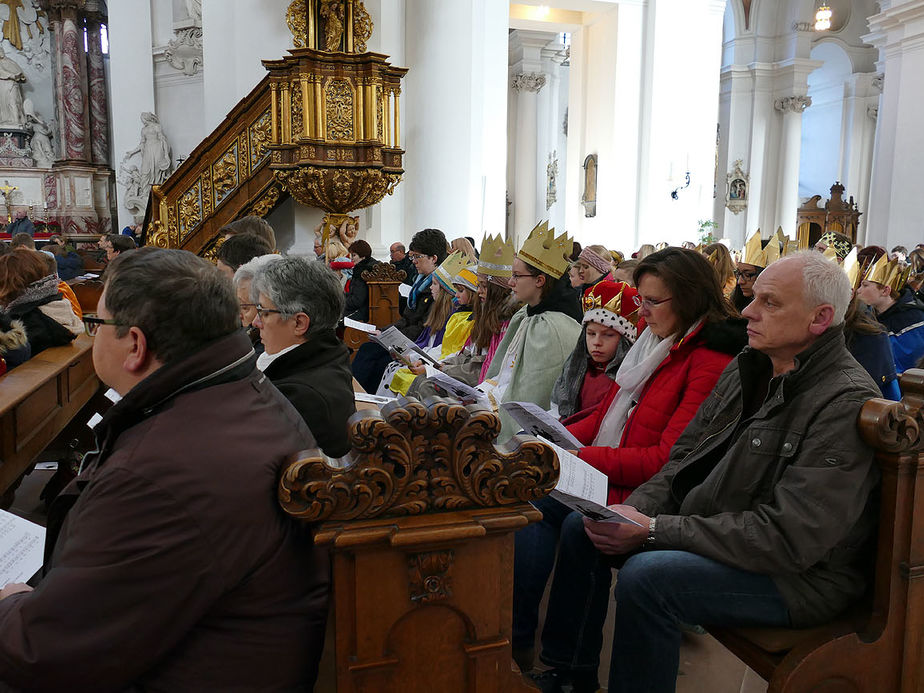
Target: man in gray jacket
[{"x": 762, "y": 516}]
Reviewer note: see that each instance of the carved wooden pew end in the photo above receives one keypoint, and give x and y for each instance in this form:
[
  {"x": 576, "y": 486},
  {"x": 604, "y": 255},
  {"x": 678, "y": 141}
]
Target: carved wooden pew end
[
  {"x": 421, "y": 534},
  {"x": 878, "y": 645},
  {"x": 384, "y": 299}
]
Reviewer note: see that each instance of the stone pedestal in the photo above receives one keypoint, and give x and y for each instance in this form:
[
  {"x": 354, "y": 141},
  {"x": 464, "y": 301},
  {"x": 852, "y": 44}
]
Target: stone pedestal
[{"x": 14, "y": 148}]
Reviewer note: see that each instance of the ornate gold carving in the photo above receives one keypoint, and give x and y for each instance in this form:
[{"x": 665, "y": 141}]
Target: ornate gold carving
[
  {"x": 410, "y": 459},
  {"x": 338, "y": 99},
  {"x": 337, "y": 190},
  {"x": 173, "y": 234},
  {"x": 261, "y": 133},
  {"x": 430, "y": 580},
  {"x": 264, "y": 204},
  {"x": 379, "y": 115},
  {"x": 190, "y": 210},
  {"x": 157, "y": 235},
  {"x": 296, "y": 18},
  {"x": 225, "y": 174},
  {"x": 244, "y": 154},
  {"x": 210, "y": 251},
  {"x": 332, "y": 14},
  {"x": 362, "y": 27},
  {"x": 298, "y": 122},
  {"x": 384, "y": 272}
]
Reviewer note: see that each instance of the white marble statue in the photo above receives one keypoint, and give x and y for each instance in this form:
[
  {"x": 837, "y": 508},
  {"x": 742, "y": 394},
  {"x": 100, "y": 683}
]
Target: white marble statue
[
  {"x": 156, "y": 162},
  {"x": 43, "y": 150},
  {"x": 135, "y": 197},
  {"x": 12, "y": 114}
]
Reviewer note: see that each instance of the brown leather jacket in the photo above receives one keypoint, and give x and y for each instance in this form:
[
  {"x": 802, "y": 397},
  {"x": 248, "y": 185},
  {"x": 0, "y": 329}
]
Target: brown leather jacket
[
  {"x": 169, "y": 563},
  {"x": 785, "y": 491}
]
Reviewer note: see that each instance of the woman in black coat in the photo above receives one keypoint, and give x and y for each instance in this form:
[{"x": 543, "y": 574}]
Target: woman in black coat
[{"x": 357, "y": 298}]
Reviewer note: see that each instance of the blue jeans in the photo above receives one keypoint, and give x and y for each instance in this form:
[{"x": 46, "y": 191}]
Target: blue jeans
[
  {"x": 573, "y": 631},
  {"x": 656, "y": 590}
]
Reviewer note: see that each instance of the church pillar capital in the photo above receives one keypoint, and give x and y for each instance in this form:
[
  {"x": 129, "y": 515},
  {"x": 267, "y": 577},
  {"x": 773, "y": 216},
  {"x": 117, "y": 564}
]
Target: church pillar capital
[
  {"x": 792, "y": 104},
  {"x": 529, "y": 81}
]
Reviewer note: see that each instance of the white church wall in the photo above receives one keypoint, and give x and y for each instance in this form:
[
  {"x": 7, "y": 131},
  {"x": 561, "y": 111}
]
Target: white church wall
[
  {"x": 457, "y": 52},
  {"x": 821, "y": 122}
]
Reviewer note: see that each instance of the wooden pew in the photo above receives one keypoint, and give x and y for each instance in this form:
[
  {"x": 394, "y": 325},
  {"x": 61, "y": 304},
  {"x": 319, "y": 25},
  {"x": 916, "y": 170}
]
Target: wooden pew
[
  {"x": 37, "y": 400},
  {"x": 88, "y": 292},
  {"x": 879, "y": 645},
  {"x": 420, "y": 530},
  {"x": 383, "y": 281}
]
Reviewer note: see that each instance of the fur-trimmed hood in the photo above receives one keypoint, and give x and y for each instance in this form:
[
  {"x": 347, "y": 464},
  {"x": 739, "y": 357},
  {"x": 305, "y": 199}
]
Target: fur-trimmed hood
[{"x": 12, "y": 334}]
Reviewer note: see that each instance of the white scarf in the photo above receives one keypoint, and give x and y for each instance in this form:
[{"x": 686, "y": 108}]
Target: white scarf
[
  {"x": 265, "y": 359},
  {"x": 640, "y": 362}
]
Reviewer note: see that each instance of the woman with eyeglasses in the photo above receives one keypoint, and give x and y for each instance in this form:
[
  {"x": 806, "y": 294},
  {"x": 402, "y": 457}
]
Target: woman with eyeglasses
[
  {"x": 299, "y": 303},
  {"x": 539, "y": 339},
  {"x": 29, "y": 296},
  {"x": 690, "y": 338},
  {"x": 745, "y": 275}
]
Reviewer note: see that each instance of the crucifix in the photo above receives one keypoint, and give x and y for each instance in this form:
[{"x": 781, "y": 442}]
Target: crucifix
[{"x": 6, "y": 190}]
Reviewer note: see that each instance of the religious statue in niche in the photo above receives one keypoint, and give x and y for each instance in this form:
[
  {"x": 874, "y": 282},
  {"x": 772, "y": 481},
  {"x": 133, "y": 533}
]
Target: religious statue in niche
[
  {"x": 23, "y": 28},
  {"x": 155, "y": 165},
  {"x": 12, "y": 114},
  {"x": 332, "y": 12},
  {"x": 736, "y": 194},
  {"x": 589, "y": 199},
  {"x": 551, "y": 175},
  {"x": 43, "y": 151},
  {"x": 337, "y": 241}
]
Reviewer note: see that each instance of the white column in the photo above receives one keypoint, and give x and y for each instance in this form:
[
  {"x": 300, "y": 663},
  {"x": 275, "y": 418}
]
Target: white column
[
  {"x": 859, "y": 131},
  {"x": 453, "y": 115},
  {"x": 132, "y": 80},
  {"x": 527, "y": 86},
  {"x": 791, "y": 108},
  {"x": 895, "y": 196}
]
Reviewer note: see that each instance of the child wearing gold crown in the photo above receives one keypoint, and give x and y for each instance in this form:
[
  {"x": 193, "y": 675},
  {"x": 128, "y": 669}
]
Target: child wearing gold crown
[
  {"x": 542, "y": 333},
  {"x": 897, "y": 307}
]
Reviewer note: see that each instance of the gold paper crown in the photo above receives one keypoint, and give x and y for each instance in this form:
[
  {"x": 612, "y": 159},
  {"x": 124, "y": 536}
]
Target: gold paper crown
[
  {"x": 830, "y": 253},
  {"x": 591, "y": 302},
  {"x": 889, "y": 273},
  {"x": 761, "y": 257},
  {"x": 545, "y": 252},
  {"x": 851, "y": 267},
  {"x": 496, "y": 259},
  {"x": 449, "y": 268}
]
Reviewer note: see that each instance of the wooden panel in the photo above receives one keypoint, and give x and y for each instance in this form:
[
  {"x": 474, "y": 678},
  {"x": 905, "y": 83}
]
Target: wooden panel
[
  {"x": 78, "y": 373},
  {"x": 35, "y": 410}
]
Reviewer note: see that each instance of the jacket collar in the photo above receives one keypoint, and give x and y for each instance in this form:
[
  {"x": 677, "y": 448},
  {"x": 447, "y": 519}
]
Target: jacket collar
[
  {"x": 223, "y": 360},
  {"x": 809, "y": 365},
  {"x": 320, "y": 350}
]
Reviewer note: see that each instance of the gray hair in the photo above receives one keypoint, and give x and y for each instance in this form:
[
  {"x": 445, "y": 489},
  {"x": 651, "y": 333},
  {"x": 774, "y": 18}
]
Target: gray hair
[
  {"x": 300, "y": 285},
  {"x": 247, "y": 271},
  {"x": 824, "y": 281}
]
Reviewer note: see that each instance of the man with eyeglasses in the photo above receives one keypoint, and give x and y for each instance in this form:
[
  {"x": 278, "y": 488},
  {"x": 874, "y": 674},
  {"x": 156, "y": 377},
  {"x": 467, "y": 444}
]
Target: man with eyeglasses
[
  {"x": 401, "y": 261},
  {"x": 170, "y": 565}
]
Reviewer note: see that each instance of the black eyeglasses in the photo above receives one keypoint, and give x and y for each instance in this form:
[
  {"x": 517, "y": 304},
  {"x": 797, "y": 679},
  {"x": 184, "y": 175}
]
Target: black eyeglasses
[
  {"x": 92, "y": 324},
  {"x": 748, "y": 276},
  {"x": 263, "y": 312},
  {"x": 649, "y": 303},
  {"x": 248, "y": 305}
]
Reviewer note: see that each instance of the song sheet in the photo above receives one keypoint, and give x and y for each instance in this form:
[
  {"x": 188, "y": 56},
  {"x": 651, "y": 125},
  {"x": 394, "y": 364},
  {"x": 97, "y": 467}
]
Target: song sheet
[
  {"x": 361, "y": 326},
  {"x": 538, "y": 422},
  {"x": 22, "y": 548},
  {"x": 583, "y": 488}
]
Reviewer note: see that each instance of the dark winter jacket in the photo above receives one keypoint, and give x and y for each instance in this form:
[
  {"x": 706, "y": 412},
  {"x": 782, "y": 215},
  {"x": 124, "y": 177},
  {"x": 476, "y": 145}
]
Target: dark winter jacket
[
  {"x": 14, "y": 343},
  {"x": 874, "y": 353},
  {"x": 904, "y": 321},
  {"x": 70, "y": 265},
  {"x": 409, "y": 269},
  {"x": 169, "y": 563},
  {"x": 44, "y": 332},
  {"x": 316, "y": 378},
  {"x": 357, "y": 299},
  {"x": 669, "y": 401},
  {"x": 784, "y": 491}
]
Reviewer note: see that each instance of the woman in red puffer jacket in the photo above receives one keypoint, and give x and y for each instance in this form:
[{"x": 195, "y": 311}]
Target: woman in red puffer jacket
[{"x": 691, "y": 336}]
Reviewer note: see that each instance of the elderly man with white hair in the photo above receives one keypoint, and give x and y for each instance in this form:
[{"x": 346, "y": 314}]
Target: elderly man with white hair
[
  {"x": 298, "y": 305},
  {"x": 762, "y": 515}
]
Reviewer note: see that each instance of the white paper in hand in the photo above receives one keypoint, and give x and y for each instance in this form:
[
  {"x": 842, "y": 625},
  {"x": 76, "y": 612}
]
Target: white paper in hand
[
  {"x": 457, "y": 388},
  {"x": 538, "y": 422},
  {"x": 22, "y": 548},
  {"x": 583, "y": 488},
  {"x": 404, "y": 290},
  {"x": 361, "y": 326}
]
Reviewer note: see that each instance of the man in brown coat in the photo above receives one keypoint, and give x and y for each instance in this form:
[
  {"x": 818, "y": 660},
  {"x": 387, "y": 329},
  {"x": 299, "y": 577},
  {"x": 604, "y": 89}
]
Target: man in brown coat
[{"x": 169, "y": 564}]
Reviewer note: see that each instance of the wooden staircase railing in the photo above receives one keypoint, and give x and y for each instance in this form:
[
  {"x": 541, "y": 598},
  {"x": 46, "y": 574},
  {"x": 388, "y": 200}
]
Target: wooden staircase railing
[{"x": 225, "y": 178}]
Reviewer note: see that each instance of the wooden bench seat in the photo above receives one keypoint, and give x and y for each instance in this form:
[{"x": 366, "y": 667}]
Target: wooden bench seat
[
  {"x": 37, "y": 401},
  {"x": 879, "y": 645},
  {"x": 383, "y": 281}
]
